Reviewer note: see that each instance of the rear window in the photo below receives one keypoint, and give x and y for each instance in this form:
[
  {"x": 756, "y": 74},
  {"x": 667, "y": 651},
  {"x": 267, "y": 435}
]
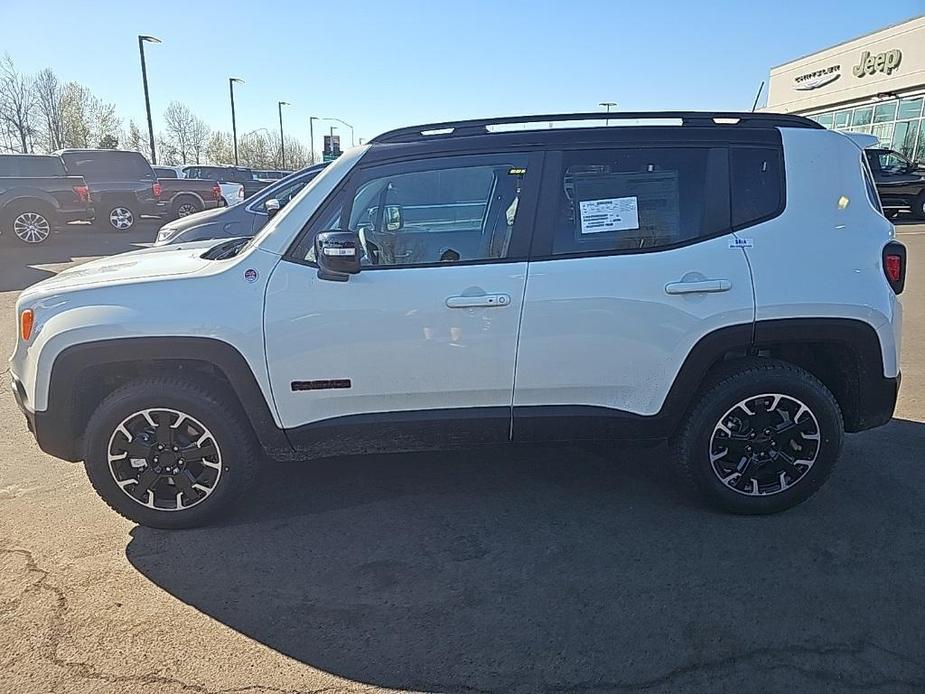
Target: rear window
[
  {"x": 26, "y": 166},
  {"x": 757, "y": 191},
  {"x": 165, "y": 173},
  {"x": 108, "y": 166}
]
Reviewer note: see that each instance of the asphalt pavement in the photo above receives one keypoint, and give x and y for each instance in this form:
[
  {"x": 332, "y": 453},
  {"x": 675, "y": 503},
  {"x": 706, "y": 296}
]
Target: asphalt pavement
[{"x": 506, "y": 570}]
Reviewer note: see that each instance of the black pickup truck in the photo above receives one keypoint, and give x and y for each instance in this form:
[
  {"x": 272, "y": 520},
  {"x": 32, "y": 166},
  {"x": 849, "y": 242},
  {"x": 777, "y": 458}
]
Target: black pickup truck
[
  {"x": 123, "y": 185},
  {"x": 228, "y": 174},
  {"x": 900, "y": 182},
  {"x": 37, "y": 196}
]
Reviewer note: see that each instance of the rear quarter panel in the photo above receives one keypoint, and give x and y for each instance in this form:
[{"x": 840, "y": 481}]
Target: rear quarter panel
[{"x": 821, "y": 258}]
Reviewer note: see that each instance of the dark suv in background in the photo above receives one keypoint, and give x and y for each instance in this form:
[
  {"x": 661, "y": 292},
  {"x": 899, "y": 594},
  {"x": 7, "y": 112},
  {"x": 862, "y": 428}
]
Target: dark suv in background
[
  {"x": 900, "y": 182},
  {"x": 37, "y": 195},
  {"x": 122, "y": 184},
  {"x": 228, "y": 174}
]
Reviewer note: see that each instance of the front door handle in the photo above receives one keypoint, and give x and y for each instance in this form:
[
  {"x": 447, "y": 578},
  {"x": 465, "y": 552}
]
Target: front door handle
[
  {"x": 481, "y": 301},
  {"x": 698, "y": 287}
]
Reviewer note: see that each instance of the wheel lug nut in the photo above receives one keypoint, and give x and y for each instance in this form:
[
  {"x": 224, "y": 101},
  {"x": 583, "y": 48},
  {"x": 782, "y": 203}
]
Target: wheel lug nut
[
  {"x": 748, "y": 449},
  {"x": 157, "y": 469}
]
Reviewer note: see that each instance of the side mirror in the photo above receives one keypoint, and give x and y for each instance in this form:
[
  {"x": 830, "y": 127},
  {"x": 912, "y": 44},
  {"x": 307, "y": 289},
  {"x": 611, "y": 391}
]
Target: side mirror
[
  {"x": 393, "y": 218},
  {"x": 337, "y": 254},
  {"x": 272, "y": 207}
]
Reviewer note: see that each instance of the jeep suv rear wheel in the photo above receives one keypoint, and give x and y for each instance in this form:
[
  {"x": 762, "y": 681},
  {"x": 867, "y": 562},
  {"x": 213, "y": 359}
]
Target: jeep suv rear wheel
[
  {"x": 168, "y": 454},
  {"x": 761, "y": 438}
]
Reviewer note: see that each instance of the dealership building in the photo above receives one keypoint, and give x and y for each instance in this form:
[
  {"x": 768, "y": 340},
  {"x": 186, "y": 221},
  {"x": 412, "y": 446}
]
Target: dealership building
[{"x": 872, "y": 84}]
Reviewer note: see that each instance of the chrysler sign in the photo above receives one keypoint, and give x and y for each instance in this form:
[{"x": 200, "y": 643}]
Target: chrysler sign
[{"x": 817, "y": 78}]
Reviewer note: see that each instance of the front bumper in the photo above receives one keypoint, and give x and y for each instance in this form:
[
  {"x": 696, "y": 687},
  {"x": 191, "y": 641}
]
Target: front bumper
[
  {"x": 50, "y": 436},
  {"x": 19, "y": 394}
]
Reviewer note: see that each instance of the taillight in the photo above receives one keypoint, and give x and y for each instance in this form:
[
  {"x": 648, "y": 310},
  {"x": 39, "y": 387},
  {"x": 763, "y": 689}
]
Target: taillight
[
  {"x": 156, "y": 189},
  {"x": 894, "y": 265},
  {"x": 82, "y": 193},
  {"x": 216, "y": 192},
  {"x": 26, "y": 321}
]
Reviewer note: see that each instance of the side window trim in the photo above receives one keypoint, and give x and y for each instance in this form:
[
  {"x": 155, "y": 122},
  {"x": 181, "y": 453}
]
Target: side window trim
[{"x": 521, "y": 235}]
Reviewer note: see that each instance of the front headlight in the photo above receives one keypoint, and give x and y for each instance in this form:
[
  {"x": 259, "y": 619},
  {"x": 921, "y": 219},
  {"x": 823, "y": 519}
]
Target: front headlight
[{"x": 164, "y": 234}]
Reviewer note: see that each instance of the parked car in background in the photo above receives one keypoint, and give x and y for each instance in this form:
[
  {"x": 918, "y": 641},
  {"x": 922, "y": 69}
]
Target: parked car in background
[
  {"x": 186, "y": 196},
  {"x": 228, "y": 174},
  {"x": 37, "y": 195},
  {"x": 123, "y": 186},
  {"x": 240, "y": 220},
  {"x": 900, "y": 182},
  {"x": 231, "y": 193}
]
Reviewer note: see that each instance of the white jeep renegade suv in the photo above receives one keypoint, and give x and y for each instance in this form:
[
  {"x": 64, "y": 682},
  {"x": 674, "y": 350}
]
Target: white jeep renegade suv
[{"x": 723, "y": 281}]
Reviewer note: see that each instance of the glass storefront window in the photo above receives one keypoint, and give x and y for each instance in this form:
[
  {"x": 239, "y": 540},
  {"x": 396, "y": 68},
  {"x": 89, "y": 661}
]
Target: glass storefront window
[
  {"x": 910, "y": 108},
  {"x": 883, "y": 132},
  {"x": 824, "y": 119},
  {"x": 842, "y": 119},
  {"x": 904, "y": 137},
  {"x": 920, "y": 146},
  {"x": 885, "y": 112},
  {"x": 862, "y": 116}
]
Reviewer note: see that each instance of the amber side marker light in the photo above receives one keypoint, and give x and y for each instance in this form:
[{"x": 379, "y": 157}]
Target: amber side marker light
[{"x": 26, "y": 321}]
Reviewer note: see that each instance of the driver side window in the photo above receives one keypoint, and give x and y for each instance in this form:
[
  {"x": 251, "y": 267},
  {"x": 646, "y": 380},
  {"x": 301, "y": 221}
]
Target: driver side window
[{"x": 434, "y": 211}]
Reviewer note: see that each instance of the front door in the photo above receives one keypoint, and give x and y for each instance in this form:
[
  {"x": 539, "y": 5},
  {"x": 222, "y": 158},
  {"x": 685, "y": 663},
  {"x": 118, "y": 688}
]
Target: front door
[{"x": 418, "y": 348}]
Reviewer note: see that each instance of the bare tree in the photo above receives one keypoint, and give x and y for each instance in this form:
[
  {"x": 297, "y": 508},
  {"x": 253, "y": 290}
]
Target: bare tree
[
  {"x": 258, "y": 149},
  {"x": 220, "y": 149},
  {"x": 136, "y": 140},
  {"x": 199, "y": 137},
  {"x": 17, "y": 102},
  {"x": 297, "y": 154},
  {"x": 48, "y": 93},
  {"x": 180, "y": 123},
  {"x": 87, "y": 121}
]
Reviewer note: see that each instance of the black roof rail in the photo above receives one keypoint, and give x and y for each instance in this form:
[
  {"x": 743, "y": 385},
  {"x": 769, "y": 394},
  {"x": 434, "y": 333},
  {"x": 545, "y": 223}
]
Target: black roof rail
[{"x": 464, "y": 128}]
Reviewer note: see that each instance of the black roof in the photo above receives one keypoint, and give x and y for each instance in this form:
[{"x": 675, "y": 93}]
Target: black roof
[{"x": 710, "y": 119}]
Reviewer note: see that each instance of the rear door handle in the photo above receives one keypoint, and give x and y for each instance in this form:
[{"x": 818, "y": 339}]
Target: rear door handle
[
  {"x": 702, "y": 286},
  {"x": 481, "y": 301}
]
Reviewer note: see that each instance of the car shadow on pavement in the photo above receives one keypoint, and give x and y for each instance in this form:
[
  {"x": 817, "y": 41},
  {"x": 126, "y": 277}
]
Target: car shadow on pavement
[
  {"x": 558, "y": 568},
  {"x": 21, "y": 264}
]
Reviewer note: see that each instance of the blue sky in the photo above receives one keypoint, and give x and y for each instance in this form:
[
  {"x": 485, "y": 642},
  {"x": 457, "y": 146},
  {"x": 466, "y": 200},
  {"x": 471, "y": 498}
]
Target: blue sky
[{"x": 381, "y": 64}]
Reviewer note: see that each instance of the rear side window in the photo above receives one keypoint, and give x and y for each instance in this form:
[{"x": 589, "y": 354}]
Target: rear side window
[
  {"x": 756, "y": 177},
  {"x": 25, "y": 166},
  {"x": 639, "y": 199},
  {"x": 108, "y": 166}
]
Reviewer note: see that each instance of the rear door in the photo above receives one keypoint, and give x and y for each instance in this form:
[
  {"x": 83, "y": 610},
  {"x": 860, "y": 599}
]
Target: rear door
[
  {"x": 635, "y": 261},
  {"x": 422, "y": 342}
]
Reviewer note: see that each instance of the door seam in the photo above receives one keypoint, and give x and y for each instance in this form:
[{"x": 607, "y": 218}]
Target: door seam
[{"x": 520, "y": 323}]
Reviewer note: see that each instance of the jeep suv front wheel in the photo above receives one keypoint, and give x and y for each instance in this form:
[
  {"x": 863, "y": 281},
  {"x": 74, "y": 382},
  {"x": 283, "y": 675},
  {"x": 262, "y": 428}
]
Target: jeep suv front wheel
[
  {"x": 168, "y": 453},
  {"x": 761, "y": 437}
]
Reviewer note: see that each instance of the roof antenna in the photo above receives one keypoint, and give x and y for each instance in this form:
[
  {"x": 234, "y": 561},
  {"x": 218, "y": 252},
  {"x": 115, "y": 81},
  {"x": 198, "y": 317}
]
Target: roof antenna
[{"x": 758, "y": 96}]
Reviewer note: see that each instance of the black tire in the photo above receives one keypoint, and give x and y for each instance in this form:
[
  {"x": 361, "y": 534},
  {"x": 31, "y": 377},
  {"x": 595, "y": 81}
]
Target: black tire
[
  {"x": 119, "y": 216},
  {"x": 741, "y": 382},
  {"x": 29, "y": 222},
  {"x": 185, "y": 207},
  {"x": 233, "y": 469}
]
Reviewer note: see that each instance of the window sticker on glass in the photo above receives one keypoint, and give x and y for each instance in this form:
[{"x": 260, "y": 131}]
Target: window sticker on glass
[{"x": 609, "y": 214}]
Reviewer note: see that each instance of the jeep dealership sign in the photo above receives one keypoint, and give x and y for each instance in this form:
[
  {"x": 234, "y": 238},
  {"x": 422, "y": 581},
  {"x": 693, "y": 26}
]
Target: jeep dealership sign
[{"x": 884, "y": 62}]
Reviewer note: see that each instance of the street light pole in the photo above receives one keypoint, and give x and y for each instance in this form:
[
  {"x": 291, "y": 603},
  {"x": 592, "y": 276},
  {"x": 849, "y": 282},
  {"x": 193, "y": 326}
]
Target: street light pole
[
  {"x": 144, "y": 78},
  {"x": 282, "y": 141},
  {"x": 234, "y": 125},
  {"x": 342, "y": 122},
  {"x": 607, "y": 105},
  {"x": 311, "y": 135}
]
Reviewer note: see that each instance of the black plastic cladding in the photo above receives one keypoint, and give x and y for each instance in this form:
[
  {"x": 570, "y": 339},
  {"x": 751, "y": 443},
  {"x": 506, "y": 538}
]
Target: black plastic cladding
[{"x": 468, "y": 128}]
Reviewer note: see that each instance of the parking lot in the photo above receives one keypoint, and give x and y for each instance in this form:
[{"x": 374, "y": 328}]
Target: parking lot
[{"x": 503, "y": 570}]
